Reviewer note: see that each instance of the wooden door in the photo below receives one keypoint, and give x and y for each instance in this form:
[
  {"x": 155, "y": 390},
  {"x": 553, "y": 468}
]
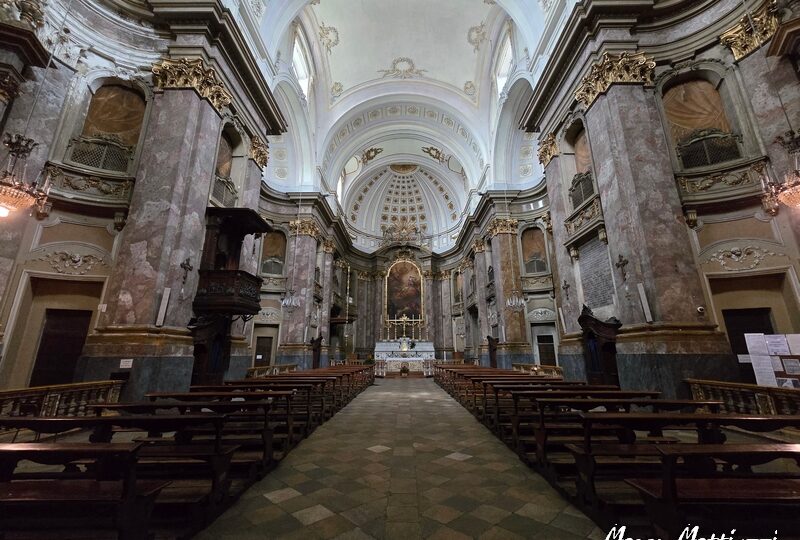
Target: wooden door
[
  {"x": 263, "y": 351},
  {"x": 739, "y": 322},
  {"x": 60, "y": 346}
]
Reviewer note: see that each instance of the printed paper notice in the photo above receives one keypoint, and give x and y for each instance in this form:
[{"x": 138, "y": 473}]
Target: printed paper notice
[
  {"x": 777, "y": 344},
  {"x": 791, "y": 366},
  {"x": 794, "y": 343},
  {"x": 743, "y": 358},
  {"x": 756, "y": 344},
  {"x": 762, "y": 368},
  {"x": 777, "y": 365}
]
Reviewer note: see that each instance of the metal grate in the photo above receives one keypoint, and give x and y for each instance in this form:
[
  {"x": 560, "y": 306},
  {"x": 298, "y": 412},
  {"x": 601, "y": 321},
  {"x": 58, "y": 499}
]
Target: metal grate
[
  {"x": 582, "y": 189},
  {"x": 101, "y": 153},
  {"x": 224, "y": 192},
  {"x": 708, "y": 148}
]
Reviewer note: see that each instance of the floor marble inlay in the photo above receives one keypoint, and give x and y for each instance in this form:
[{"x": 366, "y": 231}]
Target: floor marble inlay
[{"x": 404, "y": 461}]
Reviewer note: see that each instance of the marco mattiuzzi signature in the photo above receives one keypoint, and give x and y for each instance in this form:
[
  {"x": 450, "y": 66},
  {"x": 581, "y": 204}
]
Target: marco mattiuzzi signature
[{"x": 688, "y": 533}]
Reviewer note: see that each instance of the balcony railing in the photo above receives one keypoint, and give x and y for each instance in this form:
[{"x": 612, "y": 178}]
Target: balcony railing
[
  {"x": 59, "y": 399},
  {"x": 747, "y": 398},
  {"x": 230, "y": 292},
  {"x": 733, "y": 182}
]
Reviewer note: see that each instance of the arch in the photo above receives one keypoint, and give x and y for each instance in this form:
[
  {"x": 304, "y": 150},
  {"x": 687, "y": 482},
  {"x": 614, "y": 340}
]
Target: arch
[{"x": 514, "y": 157}]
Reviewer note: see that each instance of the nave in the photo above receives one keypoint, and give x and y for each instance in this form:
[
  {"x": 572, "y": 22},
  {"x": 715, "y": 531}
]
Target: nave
[{"x": 402, "y": 460}]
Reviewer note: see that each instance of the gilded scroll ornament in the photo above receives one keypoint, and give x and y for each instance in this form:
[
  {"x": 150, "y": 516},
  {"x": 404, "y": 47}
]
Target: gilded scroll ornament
[
  {"x": 259, "y": 151},
  {"x": 185, "y": 73},
  {"x": 329, "y": 246},
  {"x": 304, "y": 227},
  {"x": 612, "y": 69},
  {"x": 548, "y": 149},
  {"x": 503, "y": 226},
  {"x": 479, "y": 245},
  {"x": 752, "y": 31}
]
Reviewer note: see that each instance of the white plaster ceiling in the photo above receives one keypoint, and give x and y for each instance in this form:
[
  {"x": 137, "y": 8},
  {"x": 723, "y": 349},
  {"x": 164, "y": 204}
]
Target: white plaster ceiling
[{"x": 441, "y": 41}]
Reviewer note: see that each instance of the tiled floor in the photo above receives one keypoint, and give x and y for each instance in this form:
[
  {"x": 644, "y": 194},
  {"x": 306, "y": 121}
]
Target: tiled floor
[{"x": 403, "y": 460}]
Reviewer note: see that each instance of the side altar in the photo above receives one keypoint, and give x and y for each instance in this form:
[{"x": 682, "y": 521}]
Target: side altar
[{"x": 391, "y": 355}]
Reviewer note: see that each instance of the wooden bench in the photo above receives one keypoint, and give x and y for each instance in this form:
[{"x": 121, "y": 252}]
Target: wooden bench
[
  {"x": 725, "y": 495},
  {"x": 53, "y": 503}
]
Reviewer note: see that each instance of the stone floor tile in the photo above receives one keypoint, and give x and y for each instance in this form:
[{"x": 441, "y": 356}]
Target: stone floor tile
[
  {"x": 441, "y": 513},
  {"x": 312, "y": 514},
  {"x": 490, "y": 514},
  {"x": 281, "y": 495}
]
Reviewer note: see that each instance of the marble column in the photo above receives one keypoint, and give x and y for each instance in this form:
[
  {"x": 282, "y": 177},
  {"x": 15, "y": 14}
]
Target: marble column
[
  {"x": 295, "y": 333},
  {"x": 377, "y": 305},
  {"x": 445, "y": 318},
  {"x": 514, "y": 346},
  {"x": 429, "y": 330},
  {"x": 644, "y": 223},
  {"x": 363, "y": 329},
  {"x": 328, "y": 249},
  {"x": 165, "y": 226},
  {"x": 481, "y": 281}
]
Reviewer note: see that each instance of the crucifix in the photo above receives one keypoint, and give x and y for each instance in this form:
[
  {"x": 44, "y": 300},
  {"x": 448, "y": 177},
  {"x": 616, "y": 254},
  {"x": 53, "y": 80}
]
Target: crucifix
[
  {"x": 187, "y": 267},
  {"x": 621, "y": 263},
  {"x": 565, "y": 288}
]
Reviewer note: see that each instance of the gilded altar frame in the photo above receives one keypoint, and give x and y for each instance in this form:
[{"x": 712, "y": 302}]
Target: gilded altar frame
[{"x": 386, "y": 319}]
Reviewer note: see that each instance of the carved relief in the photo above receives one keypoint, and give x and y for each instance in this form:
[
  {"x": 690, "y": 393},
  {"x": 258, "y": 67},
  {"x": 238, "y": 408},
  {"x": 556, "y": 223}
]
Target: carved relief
[
  {"x": 328, "y": 37},
  {"x": 479, "y": 245},
  {"x": 328, "y": 246},
  {"x": 73, "y": 264},
  {"x": 89, "y": 185},
  {"x": 402, "y": 68},
  {"x": 476, "y": 36},
  {"x": 735, "y": 259},
  {"x": 548, "y": 149},
  {"x": 185, "y": 73},
  {"x": 752, "y": 31},
  {"x": 588, "y": 214},
  {"x": 542, "y": 314},
  {"x": 537, "y": 282},
  {"x": 612, "y": 69},
  {"x": 259, "y": 151},
  {"x": 9, "y": 88},
  {"x": 503, "y": 226}
]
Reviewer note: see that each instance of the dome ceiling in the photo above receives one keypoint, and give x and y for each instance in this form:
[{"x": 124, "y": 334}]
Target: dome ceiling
[
  {"x": 403, "y": 195},
  {"x": 373, "y": 40}
]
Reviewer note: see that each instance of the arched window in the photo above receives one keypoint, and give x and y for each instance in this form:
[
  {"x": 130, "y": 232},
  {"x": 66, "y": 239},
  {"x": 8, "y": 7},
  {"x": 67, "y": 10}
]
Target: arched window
[
  {"x": 301, "y": 65},
  {"x": 273, "y": 253},
  {"x": 503, "y": 65},
  {"x": 224, "y": 191},
  {"x": 698, "y": 125},
  {"x": 582, "y": 186},
  {"x": 111, "y": 130},
  {"x": 534, "y": 253}
]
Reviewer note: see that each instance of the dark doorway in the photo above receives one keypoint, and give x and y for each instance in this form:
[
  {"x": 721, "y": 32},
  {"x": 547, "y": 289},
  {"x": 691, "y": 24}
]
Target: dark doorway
[
  {"x": 263, "y": 351},
  {"x": 492, "y": 350},
  {"x": 739, "y": 322},
  {"x": 316, "y": 349},
  {"x": 547, "y": 349},
  {"x": 63, "y": 335}
]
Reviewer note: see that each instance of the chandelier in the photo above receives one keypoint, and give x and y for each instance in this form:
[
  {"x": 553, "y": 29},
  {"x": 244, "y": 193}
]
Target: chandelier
[
  {"x": 16, "y": 193},
  {"x": 516, "y": 301},
  {"x": 290, "y": 301}
]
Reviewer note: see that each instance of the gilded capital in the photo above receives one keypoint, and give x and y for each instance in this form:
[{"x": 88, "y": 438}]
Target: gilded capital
[
  {"x": 752, "y": 32},
  {"x": 548, "y": 149},
  {"x": 631, "y": 68},
  {"x": 363, "y": 276},
  {"x": 443, "y": 275},
  {"x": 328, "y": 246},
  {"x": 427, "y": 274},
  {"x": 479, "y": 245},
  {"x": 185, "y": 73},
  {"x": 304, "y": 227},
  {"x": 259, "y": 152},
  {"x": 503, "y": 226}
]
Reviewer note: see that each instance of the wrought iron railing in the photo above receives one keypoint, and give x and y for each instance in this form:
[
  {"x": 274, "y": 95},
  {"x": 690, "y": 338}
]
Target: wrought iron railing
[
  {"x": 747, "y": 398},
  {"x": 59, "y": 399}
]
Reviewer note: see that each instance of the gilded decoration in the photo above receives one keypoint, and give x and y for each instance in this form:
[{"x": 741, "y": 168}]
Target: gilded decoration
[
  {"x": 89, "y": 185},
  {"x": 476, "y": 36},
  {"x": 185, "y": 73},
  {"x": 479, "y": 245},
  {"x": 304, "y": 227},
  {"x": 436, "y": 154},
  {"x": 369, "y": 154},
  {"x": 503, "y": 226},
  {"x": 403, "y": 292},
  {"x": 548, "y": 149},
  {"x": 726, "y": 179},
  {"x": 259, "y": 151},
  {"x": 547, "y": 222},
  {"x": 736, "y": 259},
  {"x": 752, "y": 31},
  {"x": 9, "y": 88},
  {"x": 588, "y": 214},
  {"x": 443, "y": 275},
  {"x": 363, "y": 276},
  {"x": 612, "y": 69},
  {"x": 328, "y": 246},
  {"x": 65, "y": 262},
  {"x": 402, "y": 68}
]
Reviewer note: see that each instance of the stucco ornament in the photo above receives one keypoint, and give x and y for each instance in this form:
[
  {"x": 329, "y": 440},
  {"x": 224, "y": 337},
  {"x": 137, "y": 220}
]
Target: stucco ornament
[
  {"x": 613, "y": 69},
  {"x": 402, "y": 68},
  {"x": 739, "y": 258},
  {"x": 185, "y": 73},
  {"x": 328, "y": 36},
  {"x": 548, "y": 149},
  {"x": 65, "y": 262},
  {"x": 752, "y": 31}
]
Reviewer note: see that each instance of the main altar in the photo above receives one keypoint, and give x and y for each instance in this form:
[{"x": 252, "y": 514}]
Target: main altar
[{"x": 392, "y": 355}]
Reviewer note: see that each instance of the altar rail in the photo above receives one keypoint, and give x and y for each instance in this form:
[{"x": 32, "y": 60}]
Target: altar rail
[
  {"x": 536, "y": 369},
  {"x": 747, "y": 398},
  {"x": 381, "y": 368},
  {"x": 59, "y": 399},
  {"x": 265, "y": 371}
]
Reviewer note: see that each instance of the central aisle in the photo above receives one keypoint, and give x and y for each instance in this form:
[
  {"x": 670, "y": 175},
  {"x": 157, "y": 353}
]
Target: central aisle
[{"x": 402, "y": 460}]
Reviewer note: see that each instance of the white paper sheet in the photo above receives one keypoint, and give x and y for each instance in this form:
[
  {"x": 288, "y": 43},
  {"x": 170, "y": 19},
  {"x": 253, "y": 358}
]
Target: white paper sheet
[
  {"x": 756, "y": 344},
  {"x": 794, "y": 343},
  {"x": 762, "y": 368},
  {"x": 777, "y": 365},
  {"x": 743, "y": 358},
  {"x": 776, "y": 344}
]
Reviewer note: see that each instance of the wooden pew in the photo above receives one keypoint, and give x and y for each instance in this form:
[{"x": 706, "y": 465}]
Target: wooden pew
[
  {"x": 70, "y": 507},
  {"x": 721, "y": 498}
]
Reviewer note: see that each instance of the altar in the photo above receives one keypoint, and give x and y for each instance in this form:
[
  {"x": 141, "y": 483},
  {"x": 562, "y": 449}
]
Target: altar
[{"x": 391, "y": 355}]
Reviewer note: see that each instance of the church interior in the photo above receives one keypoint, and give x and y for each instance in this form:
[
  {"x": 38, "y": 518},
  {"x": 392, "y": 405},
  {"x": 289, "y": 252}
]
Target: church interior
[{"x": 364, "y": 269}]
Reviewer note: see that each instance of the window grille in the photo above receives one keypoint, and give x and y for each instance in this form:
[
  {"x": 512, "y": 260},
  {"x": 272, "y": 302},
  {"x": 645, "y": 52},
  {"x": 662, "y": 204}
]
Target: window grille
[
  {"x": 104, "y": 152},
  {"x": 708, "y": 147},
  {"x": 582, "y": 189},
  {"x": 224, "y": 192}
]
